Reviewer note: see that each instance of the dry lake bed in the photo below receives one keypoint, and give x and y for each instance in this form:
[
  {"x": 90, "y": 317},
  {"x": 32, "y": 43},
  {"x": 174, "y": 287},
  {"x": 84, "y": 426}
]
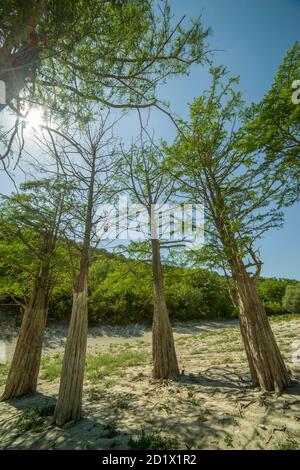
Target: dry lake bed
[{"x": 211, "y": 406}]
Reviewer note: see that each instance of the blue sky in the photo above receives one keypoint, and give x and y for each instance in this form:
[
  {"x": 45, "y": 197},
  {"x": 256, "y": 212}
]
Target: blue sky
[
  {"x": 251, "y": 38},
  {"x": 253, "y": 35}
]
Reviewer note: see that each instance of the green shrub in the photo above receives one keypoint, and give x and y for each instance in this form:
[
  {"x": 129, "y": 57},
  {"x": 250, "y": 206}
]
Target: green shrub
[
  {"x": 152, "y": 441},
  {"x": 121, "y": 292},
  {"x": 271, "y": 292},
  {"x": 274, "y": 308},
  {"x": 291, "y": 299},
  {"x": 60, "y": 305}
]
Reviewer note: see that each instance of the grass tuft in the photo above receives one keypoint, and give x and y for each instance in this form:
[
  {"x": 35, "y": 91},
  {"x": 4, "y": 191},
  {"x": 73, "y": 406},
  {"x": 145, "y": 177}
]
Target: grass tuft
[
  {"x": 152, "y": 441},
  {"x": 3, "y": 373},
  {"x": 102, "y": 365}
]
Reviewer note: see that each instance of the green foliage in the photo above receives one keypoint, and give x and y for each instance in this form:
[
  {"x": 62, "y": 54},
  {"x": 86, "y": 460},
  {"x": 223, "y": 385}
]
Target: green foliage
[
  {"x": 273, "y": 126},
  {"x": 34, "y": 419},
  {"x": 113, "y": 51},
  {"x": 288, "y": 445},
  {"x": 30, "y": 223},
  {"x": 120, "y": 289},
  {"x": 291, "y": 299},
  {"x": 152, "y": 441},
  {"x": 120, "y": 292},
  {"x": 286, "y": 317},
  {"x": 60, "y": 305},
  {"x": 228, "y": 439},
  {"x": 233, "y": 185},
  {"x": 3, "y": 373},
  {"x": 102, "y": 365},
  {"x": 51, "y": 367},
  {"x": 271, "y": 291}
]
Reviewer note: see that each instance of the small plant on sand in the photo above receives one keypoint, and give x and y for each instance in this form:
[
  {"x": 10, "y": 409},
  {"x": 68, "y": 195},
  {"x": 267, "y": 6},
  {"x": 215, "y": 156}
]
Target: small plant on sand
[
  {"x": 165, "y": 407},
  {"x": 102, "y": 365},
  {"x": 47, "y": 410},
  {"x": 123, "y": 402},
  {"x": 228, "y": 439},
  {"x": 32, "y": 420},
  {"x": 111, "y": 430},
  {"x": 289, "y": 444},
  {"x": 95, "y": 394},
  {"x": 203, "y": 416},
  {"x": 152, "y": 441},
  {"x": 228, "y": 360},
  {"x": 109, "y": 383},
  {"x": 51, "y": 367}
]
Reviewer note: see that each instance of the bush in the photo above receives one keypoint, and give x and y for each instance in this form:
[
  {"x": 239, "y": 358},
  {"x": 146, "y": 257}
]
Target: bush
[
  {"x": 60, "y": 306},
  {"x": 291, "y": 299},
  {"x": 271, "y": 292},
  {"x": 121, "y": 292}
]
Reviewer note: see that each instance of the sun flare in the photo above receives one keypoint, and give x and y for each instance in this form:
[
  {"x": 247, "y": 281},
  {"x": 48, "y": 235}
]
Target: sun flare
[{"x": 34, "y": 119}]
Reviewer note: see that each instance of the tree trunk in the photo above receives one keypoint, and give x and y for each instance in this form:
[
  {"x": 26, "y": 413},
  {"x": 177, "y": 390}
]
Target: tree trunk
[
  {"x": 24, "y": 369},
  {"x": 265, "y": 361},
  {"x": 163, "y": 349},
  {"x": 69, "y": 403}
]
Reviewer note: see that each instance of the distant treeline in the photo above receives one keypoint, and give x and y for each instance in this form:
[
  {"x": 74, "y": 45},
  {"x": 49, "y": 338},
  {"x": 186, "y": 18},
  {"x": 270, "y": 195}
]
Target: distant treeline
[{"x": 121, "y": 292}]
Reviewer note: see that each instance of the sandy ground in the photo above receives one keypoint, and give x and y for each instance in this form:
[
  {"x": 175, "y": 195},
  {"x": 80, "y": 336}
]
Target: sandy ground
[{"x": 211, "y": 406}]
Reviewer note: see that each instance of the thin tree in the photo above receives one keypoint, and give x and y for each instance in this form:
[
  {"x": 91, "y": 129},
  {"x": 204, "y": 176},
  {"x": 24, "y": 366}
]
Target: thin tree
[
  {"x": 33, "y": 219},
  {"x": 237, "y": 192},
  {"x": 86, "y": 158},
  {"x": 142, "y": 177}
]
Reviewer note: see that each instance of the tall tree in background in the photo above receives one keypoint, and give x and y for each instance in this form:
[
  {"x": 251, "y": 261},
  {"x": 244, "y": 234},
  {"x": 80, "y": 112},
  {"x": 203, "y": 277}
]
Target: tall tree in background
[
  {"x": 237, "y": 192},
  {"x": 273, "y": 126},
  {"x": 142, "y": 177},
  {"x": 33, "y": 219},
  {"x": 86, "y": 158}
]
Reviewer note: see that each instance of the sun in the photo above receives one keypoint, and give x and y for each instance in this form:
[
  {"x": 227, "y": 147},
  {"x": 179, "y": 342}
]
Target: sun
[{"x": 34, "y": 119}]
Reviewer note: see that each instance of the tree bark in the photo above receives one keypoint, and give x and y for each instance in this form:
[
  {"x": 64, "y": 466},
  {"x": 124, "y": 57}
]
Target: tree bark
[
  {"x": 165, "y": 363},
  {"x": 69, "y": 403},
  {"x": 24, "y": 369},
  {"x": 265, "y": 361}
]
